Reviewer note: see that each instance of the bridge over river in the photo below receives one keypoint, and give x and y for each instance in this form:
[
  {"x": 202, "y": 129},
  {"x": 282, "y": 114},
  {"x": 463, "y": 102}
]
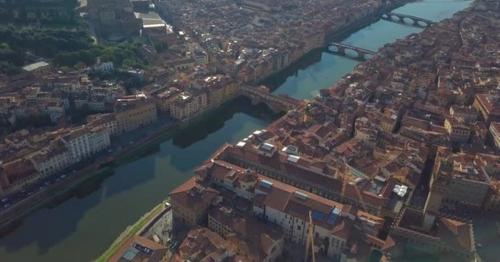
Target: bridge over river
[
  {"x": 407, "y": 19},
  {"x": 67, "y": 231},
  {"x": 277, "y": 103},
  {"x": 341, "y": 48}
]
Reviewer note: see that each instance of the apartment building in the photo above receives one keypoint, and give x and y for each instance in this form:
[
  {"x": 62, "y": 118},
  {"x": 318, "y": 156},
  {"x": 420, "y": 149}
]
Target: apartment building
[
  {"x": 84, "y": 142},
  {"x": 106, "y": 120},
  {"x": 336, "y": 226},
  {"x": 333, "y": 223},
  {"x": 202, "y": 244},
  {"x": 461, "y": 178},
  {"x": 457, "y": 130},
  {"x": 220, "y": 88},
  {"x": 189, "y": 104},
  {"x": 165, "y": 98},
  {"x": 495, "y": 133},
  {"x": 489, "y": 107},
  {"x": 17, "y": 171},
  {"x": 133, "y": 112},
  {"x": 52, "y": 159},
  {"x": 190, "y": 202},
  {"x": 450, "y": 239},
  {"x": 264, "y": 241}
]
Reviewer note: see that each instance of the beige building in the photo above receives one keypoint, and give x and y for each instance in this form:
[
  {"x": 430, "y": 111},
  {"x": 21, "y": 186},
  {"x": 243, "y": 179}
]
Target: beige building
[
  {"x": 449, "y": 239},
  {"x": 337, "y": 227},
  {"x": 220, "y": 89},
  {"x": 457, "y": 130},
  {"x": 264, "y": 241},
  {"x": 468, "y": 114},
  {"x": 188, "y": 105},
  {"x": 165, "y": 98},
  {"x": 488, "y": 106},
  {"x": 493, "y": 201},
  {"x": 202, "y": 244},
  {"x": 134, "y": 112},
  {"x": 190, "y": 202},
  {"x": 495, "y": 133},
  {"x": 460, "y": 178}
]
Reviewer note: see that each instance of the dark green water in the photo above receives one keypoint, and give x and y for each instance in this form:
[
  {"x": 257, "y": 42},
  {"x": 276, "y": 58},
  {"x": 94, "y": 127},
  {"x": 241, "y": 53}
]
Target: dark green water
[{"x": 82, "y": 227}]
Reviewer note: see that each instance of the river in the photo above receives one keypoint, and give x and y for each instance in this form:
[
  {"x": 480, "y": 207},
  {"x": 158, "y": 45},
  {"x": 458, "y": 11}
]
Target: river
[
  {"x": 82, "y": 227},
  {"x": 321, "y": 69}
]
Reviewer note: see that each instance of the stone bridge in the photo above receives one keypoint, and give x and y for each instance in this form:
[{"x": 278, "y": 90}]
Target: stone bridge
[
  {"x": 341, "y": 48},
  {"x": 407, "y": 19},
  {"x": 277, "y": 103}
]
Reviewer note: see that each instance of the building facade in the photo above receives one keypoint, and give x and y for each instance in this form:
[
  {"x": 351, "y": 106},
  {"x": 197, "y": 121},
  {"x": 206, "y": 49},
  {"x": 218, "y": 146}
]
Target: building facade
[{"x": 134, "y": 112}]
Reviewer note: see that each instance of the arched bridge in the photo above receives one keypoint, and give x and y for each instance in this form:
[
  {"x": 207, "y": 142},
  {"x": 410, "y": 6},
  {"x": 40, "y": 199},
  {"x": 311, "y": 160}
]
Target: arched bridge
[
  {"x": 407, "y": 19},
  {"x": 340, "y": 49},
  {"x": 277, "y": 103}
]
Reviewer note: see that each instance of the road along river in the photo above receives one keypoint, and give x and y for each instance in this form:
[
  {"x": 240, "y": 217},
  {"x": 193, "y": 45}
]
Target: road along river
[{"x": 82, "y": 227}]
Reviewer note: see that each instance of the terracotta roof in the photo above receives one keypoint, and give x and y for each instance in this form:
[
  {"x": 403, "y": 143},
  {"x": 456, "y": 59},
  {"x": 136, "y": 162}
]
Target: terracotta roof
[
  {"x": 461, "y": 233},
  {"x": 259, "y": 236},
  {"x": 193, "y": 195}
]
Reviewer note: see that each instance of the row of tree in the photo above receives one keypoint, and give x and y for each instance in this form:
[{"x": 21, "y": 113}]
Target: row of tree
[
  {"x": 67, "y": 46},
  {"x": 54, "y": 12},
  {"x": 122, "y": 55},
  {"x": 45, "y": 41}
]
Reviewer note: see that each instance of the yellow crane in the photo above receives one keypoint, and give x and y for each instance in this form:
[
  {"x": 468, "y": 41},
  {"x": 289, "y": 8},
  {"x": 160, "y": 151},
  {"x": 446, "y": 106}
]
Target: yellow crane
[{"x": 310, "y": 240}]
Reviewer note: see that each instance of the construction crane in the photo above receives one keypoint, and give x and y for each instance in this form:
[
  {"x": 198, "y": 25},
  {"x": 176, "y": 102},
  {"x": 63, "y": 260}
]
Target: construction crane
[{"x": 310, "y": 240}]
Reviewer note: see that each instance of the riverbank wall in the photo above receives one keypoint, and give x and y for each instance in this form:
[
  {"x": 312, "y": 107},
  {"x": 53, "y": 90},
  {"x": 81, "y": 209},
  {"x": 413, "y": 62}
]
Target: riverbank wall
[
  {"x": 56, "y": 192},
  {"x": 64, "y": 189},
  {"x": 336, "y": 35}
]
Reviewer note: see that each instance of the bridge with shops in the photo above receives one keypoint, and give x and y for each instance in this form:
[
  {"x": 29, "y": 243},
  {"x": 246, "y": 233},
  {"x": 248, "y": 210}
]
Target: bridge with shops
[{"x": 262, "y": 95}]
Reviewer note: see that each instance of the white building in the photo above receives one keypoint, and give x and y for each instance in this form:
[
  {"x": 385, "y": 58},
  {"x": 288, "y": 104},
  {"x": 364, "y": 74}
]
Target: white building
[
  {"x": 99, "y": 139},
  {"x": 336, "y": 227},
  {"x": 84, "y": 142},
  {"x": 52, "y": 160},
  {"x": 106, "y": 120}
]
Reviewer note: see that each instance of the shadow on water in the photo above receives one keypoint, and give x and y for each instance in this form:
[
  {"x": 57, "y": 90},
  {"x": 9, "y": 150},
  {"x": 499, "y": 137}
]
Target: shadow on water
[
  {"x": 215, "y": 121},
  {"x": 180, "y": 146},
  {"x": 131, "y": 175},
  {"x": 39, "y": 228},
  {"x": 276, "y": 80},
  {"x": 78, "y": 228},
  {"x": 183, "y": 148}
]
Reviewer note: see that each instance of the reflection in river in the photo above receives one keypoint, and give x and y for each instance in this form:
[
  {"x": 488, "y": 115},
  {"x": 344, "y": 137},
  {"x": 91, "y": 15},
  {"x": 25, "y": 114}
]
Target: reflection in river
[
  {"x": 321, "y": 69},
  {"x": 82, "y": 227}
]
